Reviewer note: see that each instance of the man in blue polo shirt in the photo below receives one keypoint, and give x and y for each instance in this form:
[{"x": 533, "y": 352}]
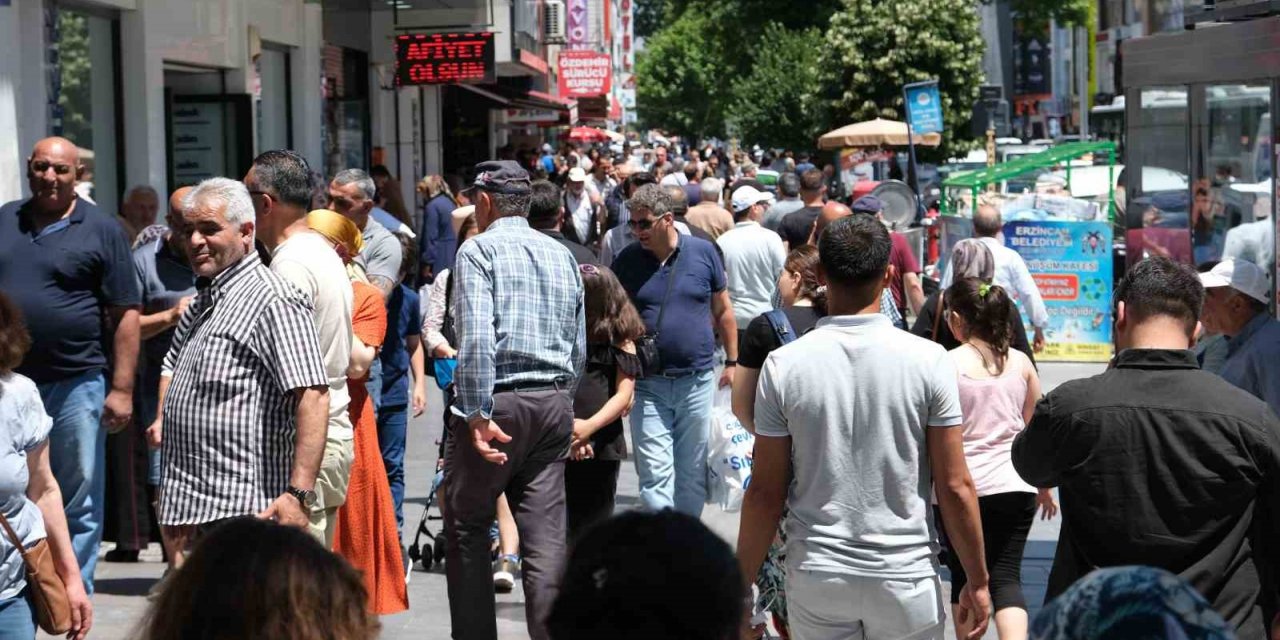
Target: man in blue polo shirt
[
  {"x": 670, "y": 425},
  {"x": 68, "y": 267}
]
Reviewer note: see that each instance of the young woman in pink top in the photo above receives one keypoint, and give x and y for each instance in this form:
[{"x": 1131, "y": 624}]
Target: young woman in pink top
[{"x": 999, "y": 389}]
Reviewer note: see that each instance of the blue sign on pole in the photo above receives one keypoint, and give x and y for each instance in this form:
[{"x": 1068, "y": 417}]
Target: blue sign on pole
[{"x": 924, "y": 107}]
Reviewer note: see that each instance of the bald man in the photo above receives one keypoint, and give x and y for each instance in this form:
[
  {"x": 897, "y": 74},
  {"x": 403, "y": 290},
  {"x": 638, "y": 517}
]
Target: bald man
[
  {"x": 67, "y": 266},
  {"x": 167, "y": 285},
  {"x": 831, "y": 211}
]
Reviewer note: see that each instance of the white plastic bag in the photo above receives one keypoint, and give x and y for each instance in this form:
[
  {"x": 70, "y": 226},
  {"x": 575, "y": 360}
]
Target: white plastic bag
[{"x": 729, "y": 450}]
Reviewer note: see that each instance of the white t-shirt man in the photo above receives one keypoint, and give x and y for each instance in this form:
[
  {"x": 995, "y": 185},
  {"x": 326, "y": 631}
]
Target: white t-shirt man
[
  {"x": 753, "y": 259},
  {"x": 856, "y": 397},
  {"x": 309, "y": 262}
]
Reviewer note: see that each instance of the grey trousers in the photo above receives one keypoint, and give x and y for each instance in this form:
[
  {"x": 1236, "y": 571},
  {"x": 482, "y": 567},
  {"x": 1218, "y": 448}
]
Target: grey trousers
[{"x": 540, "y": 424}]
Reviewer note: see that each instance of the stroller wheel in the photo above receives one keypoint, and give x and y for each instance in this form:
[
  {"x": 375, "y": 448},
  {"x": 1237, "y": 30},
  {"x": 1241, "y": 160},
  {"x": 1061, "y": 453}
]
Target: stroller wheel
[
  {"x": 415, "y": 553},
  {"x": 425, "y": 557}
]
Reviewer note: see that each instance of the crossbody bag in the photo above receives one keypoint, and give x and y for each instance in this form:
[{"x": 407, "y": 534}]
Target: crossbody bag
[{"x": 647, "y": 344}]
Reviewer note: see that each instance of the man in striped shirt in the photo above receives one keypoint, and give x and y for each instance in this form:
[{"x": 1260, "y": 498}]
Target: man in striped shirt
[
  {"x": 243, "y": 394},
  {"x": 521, "y": 347}
]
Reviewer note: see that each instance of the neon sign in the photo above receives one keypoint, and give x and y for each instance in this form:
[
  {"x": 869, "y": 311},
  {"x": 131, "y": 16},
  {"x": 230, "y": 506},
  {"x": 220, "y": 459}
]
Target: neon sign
[{"x": 445, "y": 58}]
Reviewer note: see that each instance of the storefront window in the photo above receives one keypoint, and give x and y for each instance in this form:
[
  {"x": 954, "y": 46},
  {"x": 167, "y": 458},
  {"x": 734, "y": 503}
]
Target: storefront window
[
  {"x": 82, "y": 97},
  {"x": 1232, "y": 195},
  {"x": 1154, "y": 192},
  {"x": 346, "y": 109}
]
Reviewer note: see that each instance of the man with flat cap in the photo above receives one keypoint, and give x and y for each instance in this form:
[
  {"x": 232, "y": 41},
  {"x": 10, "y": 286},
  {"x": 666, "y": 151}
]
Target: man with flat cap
[{"x": 521, "y": 333}]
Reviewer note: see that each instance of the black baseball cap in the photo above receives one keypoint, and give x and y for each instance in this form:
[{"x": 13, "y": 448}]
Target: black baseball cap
[{"x": 502, "y": 176}]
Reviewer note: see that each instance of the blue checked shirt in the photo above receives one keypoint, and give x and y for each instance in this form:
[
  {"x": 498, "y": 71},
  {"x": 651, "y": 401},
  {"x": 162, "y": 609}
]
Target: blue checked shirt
[{"x": 519, "y": 311}]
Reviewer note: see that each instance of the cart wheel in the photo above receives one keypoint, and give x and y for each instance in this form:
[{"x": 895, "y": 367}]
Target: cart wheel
[{"x": 415, "y": 553}]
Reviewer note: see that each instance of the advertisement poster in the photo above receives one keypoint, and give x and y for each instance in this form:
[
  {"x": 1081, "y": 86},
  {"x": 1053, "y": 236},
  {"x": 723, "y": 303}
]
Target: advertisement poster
[{"x": 1071, "y": 264}]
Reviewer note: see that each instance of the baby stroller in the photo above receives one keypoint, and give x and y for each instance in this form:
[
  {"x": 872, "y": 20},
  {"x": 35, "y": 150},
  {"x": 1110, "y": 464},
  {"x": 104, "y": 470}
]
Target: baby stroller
[{"x": 432, "y": 551}]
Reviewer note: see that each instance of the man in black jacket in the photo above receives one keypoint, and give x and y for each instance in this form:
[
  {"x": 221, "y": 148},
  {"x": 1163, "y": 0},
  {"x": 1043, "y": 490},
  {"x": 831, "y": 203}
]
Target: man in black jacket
[
  {"x": 546, "y": 214},
  {"x": 1160, "y": 463}
]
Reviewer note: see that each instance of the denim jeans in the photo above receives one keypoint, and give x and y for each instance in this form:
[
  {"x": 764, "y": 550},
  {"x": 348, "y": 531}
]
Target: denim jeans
[
  {"x": 374, "y": 385},
  {"x": 17, "y": 618},
  {"x": 77, "y": 455},
  {"x": 392, "y": 424},
  {"x": 669, "y": 429}
]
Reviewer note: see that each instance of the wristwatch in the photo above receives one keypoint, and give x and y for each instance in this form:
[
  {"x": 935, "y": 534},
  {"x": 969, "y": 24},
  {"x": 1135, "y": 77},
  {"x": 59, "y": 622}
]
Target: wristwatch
[
  {"x": 730, "y": 363},
  {"x": 306, "y": 497}
]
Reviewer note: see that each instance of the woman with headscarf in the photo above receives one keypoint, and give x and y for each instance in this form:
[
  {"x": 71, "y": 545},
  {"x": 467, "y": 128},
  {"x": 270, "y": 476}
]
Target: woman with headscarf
[
  {"x": 1130, "y": 603},
  {"x": 366, "y": 534},
  {"x": 969, "y": 259},
  {"x": 437, "y": 241}
]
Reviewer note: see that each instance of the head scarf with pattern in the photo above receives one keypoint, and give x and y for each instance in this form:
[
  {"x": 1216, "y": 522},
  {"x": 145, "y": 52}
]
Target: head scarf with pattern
[
  {"x": 971, "y": 258},
  {"x": 1130, "y": 603}
]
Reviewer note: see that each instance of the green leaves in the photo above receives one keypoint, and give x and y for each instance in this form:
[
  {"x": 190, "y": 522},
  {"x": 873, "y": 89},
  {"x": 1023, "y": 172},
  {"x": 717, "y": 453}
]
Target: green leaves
[{"x": 782, "y": 73}]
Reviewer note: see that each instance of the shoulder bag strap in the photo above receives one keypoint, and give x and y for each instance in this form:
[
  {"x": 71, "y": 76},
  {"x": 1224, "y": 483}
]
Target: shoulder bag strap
[
  {"x": 671, "y": 278},
  {"x": 12, "y": 535},
  {"x": 937, "y": 317}
]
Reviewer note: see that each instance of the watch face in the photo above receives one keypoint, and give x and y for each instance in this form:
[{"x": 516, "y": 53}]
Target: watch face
[{"x": 310, "y": 499}]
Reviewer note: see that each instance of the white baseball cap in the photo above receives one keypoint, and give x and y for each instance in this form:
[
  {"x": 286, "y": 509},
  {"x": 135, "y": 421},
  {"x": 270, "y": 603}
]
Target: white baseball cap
[
  {"x": 747, "y": 195},
  {"x": 1241, "y": 275},
  {"x": 576, "y": 174}
]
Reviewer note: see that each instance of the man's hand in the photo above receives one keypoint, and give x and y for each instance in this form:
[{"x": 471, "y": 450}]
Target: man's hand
[
  {"x": 175, "y": 314},
  {"x": 419, "y": 398},
  {"x": 484, "y": 431},
  {"x": 1048, "y": 506},
  {"x": 726, "y": 378},
  {"x": 580, "y": 433},
  {"x": 1038, "y": 342},
  {"x": 581, "y": 451},
  {"x": 154, "y": 436},
  {"x": 118, "y": 410},
  {"x": 287, "y": 511},
  {"x": 974, "y": 611}
]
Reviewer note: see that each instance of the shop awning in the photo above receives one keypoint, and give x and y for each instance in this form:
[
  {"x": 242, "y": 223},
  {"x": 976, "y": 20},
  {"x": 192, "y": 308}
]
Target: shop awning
[{"x": 505, "y": 97}]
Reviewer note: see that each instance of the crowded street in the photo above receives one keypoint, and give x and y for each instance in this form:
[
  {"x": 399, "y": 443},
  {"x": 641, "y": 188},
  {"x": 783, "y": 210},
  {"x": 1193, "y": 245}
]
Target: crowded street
[{"x": 639, "y": 319}]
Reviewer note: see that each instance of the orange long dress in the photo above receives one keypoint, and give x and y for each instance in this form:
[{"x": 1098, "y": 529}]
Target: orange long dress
[{"x": 366, "y": 533}]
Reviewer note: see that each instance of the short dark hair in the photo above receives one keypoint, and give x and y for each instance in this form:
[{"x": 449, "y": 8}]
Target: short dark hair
[
  {"x": 811, "y": 180},
  {"x": 647, "y": 575},
  {"x": 855, "y": 251},
  {"x": 14, "y": 338},
  {"x": 789, "y": 185},
  {"x": 285, "y": 175},
  {"x": 544, "y": 204},
  {"x": 379, "y": 171},
  {"x": 637, "y": 180},
  {"x": 1162, "y": 287}
]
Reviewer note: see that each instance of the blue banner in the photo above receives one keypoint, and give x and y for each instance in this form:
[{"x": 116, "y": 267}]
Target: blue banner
[
  {"x": 1071, "y": 263},
  {"x": 924, "y": 107}
]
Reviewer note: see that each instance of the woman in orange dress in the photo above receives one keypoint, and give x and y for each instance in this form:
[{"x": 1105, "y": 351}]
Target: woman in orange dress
[{"x": 366, "y": 533}]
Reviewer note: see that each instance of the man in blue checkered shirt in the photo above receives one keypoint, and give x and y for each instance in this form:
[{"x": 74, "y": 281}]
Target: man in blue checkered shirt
[{"x": 520, "y": 320}]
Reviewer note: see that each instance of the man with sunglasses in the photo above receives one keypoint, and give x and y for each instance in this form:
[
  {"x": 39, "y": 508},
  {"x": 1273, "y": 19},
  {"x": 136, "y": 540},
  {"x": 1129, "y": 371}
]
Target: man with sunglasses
[
  {"x": 68, "y": 267},
  {"x": 673, "y": 404}
]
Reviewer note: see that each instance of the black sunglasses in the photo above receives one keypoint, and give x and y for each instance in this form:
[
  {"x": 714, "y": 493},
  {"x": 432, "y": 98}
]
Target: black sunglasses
[{"x": 644, "y": 225}]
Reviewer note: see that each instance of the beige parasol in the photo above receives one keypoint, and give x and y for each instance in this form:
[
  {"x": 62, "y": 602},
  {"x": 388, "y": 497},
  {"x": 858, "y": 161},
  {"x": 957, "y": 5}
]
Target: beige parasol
[{"x": 875, "y": 133}]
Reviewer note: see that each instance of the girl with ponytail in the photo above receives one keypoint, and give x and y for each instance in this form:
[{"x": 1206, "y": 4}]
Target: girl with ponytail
[{"x": 999, "y": 389}]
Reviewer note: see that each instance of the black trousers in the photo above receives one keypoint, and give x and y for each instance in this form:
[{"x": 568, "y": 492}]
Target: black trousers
[
  {"x": 130, "y": 518},
  {"x": 1006, "y": 521},
  {"x": 589, "y": 488},
  {"x": 540, "y": 424}
]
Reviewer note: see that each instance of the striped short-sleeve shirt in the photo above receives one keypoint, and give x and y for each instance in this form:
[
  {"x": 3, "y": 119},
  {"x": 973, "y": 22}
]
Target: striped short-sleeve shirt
[{"x": 242, "y": 347}]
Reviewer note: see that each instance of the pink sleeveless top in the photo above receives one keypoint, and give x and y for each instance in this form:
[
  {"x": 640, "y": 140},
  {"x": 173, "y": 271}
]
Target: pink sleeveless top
[{"x": 992, "y": 417}]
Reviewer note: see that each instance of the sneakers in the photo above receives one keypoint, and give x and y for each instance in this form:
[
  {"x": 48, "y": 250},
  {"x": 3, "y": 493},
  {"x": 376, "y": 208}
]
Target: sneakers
[
  {"x": 121, "y": 555},
  {"x": 504, "y": 573}
]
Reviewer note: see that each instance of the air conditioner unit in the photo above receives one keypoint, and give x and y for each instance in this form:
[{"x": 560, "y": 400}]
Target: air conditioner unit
[{"x": 553, "y": 22}]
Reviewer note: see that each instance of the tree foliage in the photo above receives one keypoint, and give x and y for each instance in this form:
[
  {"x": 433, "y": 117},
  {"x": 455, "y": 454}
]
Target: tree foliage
[
  {"x": 1065, "y": 12},
  {"x": 774, "y": 103},
  {"x": 649, "y": 16},
  {"x": 873, "y": 48},
  {"x": 678, "y": 80}
]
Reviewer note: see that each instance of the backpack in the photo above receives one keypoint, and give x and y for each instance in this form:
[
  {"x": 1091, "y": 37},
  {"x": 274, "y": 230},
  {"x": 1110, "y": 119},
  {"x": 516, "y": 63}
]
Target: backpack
[{"x": 781, "y": 326}]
